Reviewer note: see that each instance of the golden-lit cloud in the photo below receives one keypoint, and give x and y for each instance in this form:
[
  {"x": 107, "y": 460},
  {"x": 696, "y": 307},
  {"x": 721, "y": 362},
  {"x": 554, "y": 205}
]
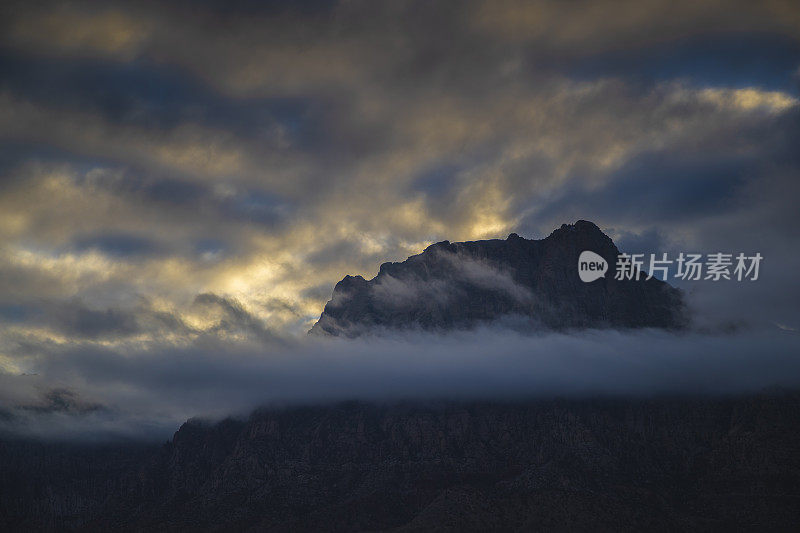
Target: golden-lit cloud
[
  {"x": 72, "y": 30},
  {"x": 309, "y": 145},
  {"x": 749, "y": 99}
]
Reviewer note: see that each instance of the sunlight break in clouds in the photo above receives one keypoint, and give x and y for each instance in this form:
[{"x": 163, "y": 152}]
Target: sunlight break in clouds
[{"x": 173, "y": 175}]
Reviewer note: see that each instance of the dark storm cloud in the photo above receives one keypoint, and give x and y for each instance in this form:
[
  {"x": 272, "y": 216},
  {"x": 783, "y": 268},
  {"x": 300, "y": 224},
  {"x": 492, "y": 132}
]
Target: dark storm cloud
[
  {"x": 116, "y": 244},
  {"x": 79, "y": 321},
  {"x": 727, "y": 59},
  {"x": 254, "y": 153},
  {"x": 198, "y": 200},
  {"x": 169, "y": 190},
  {"x": 146, "y": 94},
  {"x": 438, "y": 181},
  {"x": 684, "y": 183},
  {"x": 15, "y": 312},
  {"x": 658, "y": 187},
  {"x": 257, "y": 206}
]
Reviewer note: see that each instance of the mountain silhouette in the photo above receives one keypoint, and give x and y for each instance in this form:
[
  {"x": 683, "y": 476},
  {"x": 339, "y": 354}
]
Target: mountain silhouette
[
  {"x": 532, "y": 284},
  {"x": 591, "y": 464}
]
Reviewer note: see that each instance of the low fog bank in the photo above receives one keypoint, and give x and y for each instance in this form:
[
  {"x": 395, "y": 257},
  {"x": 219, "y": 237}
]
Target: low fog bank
[{"x": 88, "y": 393}]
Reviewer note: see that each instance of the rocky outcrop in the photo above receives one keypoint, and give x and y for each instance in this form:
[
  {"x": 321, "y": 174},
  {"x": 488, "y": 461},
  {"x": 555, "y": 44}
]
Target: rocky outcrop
[{"x": 533, "y": 284}]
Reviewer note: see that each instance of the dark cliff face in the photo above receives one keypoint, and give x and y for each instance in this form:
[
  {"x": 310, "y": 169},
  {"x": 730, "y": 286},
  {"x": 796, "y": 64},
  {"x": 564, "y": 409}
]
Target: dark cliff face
[
  {"x": 533, "y": 283},
  {"x": 601, "y": 464}
]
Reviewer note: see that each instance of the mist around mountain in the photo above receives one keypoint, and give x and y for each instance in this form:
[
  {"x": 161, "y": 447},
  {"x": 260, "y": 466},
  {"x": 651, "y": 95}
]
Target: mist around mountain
[
  {"x": 533, "y": 284},
  {"x": 477, "y": 386}
]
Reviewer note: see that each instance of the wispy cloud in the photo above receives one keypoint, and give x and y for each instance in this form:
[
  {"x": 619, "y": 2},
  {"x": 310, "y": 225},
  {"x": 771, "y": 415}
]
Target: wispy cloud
[{"x": 183, "y": 173}]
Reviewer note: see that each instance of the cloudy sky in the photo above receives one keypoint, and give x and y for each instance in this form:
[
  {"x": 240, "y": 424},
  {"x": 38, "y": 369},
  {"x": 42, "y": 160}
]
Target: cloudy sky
[{"x": 188, "y": 172}]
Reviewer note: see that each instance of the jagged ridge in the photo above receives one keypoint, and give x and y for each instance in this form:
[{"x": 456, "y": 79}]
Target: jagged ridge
[{"x": 534, "y": 282}]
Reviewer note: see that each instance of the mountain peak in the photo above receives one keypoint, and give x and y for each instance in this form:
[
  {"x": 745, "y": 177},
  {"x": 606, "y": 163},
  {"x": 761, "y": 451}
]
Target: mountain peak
[{"x": 535, "y": 283}]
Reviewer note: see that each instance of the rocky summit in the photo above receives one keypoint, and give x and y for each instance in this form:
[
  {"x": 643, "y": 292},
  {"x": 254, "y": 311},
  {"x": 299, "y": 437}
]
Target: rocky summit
[{"x": 533, "y": 284}]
